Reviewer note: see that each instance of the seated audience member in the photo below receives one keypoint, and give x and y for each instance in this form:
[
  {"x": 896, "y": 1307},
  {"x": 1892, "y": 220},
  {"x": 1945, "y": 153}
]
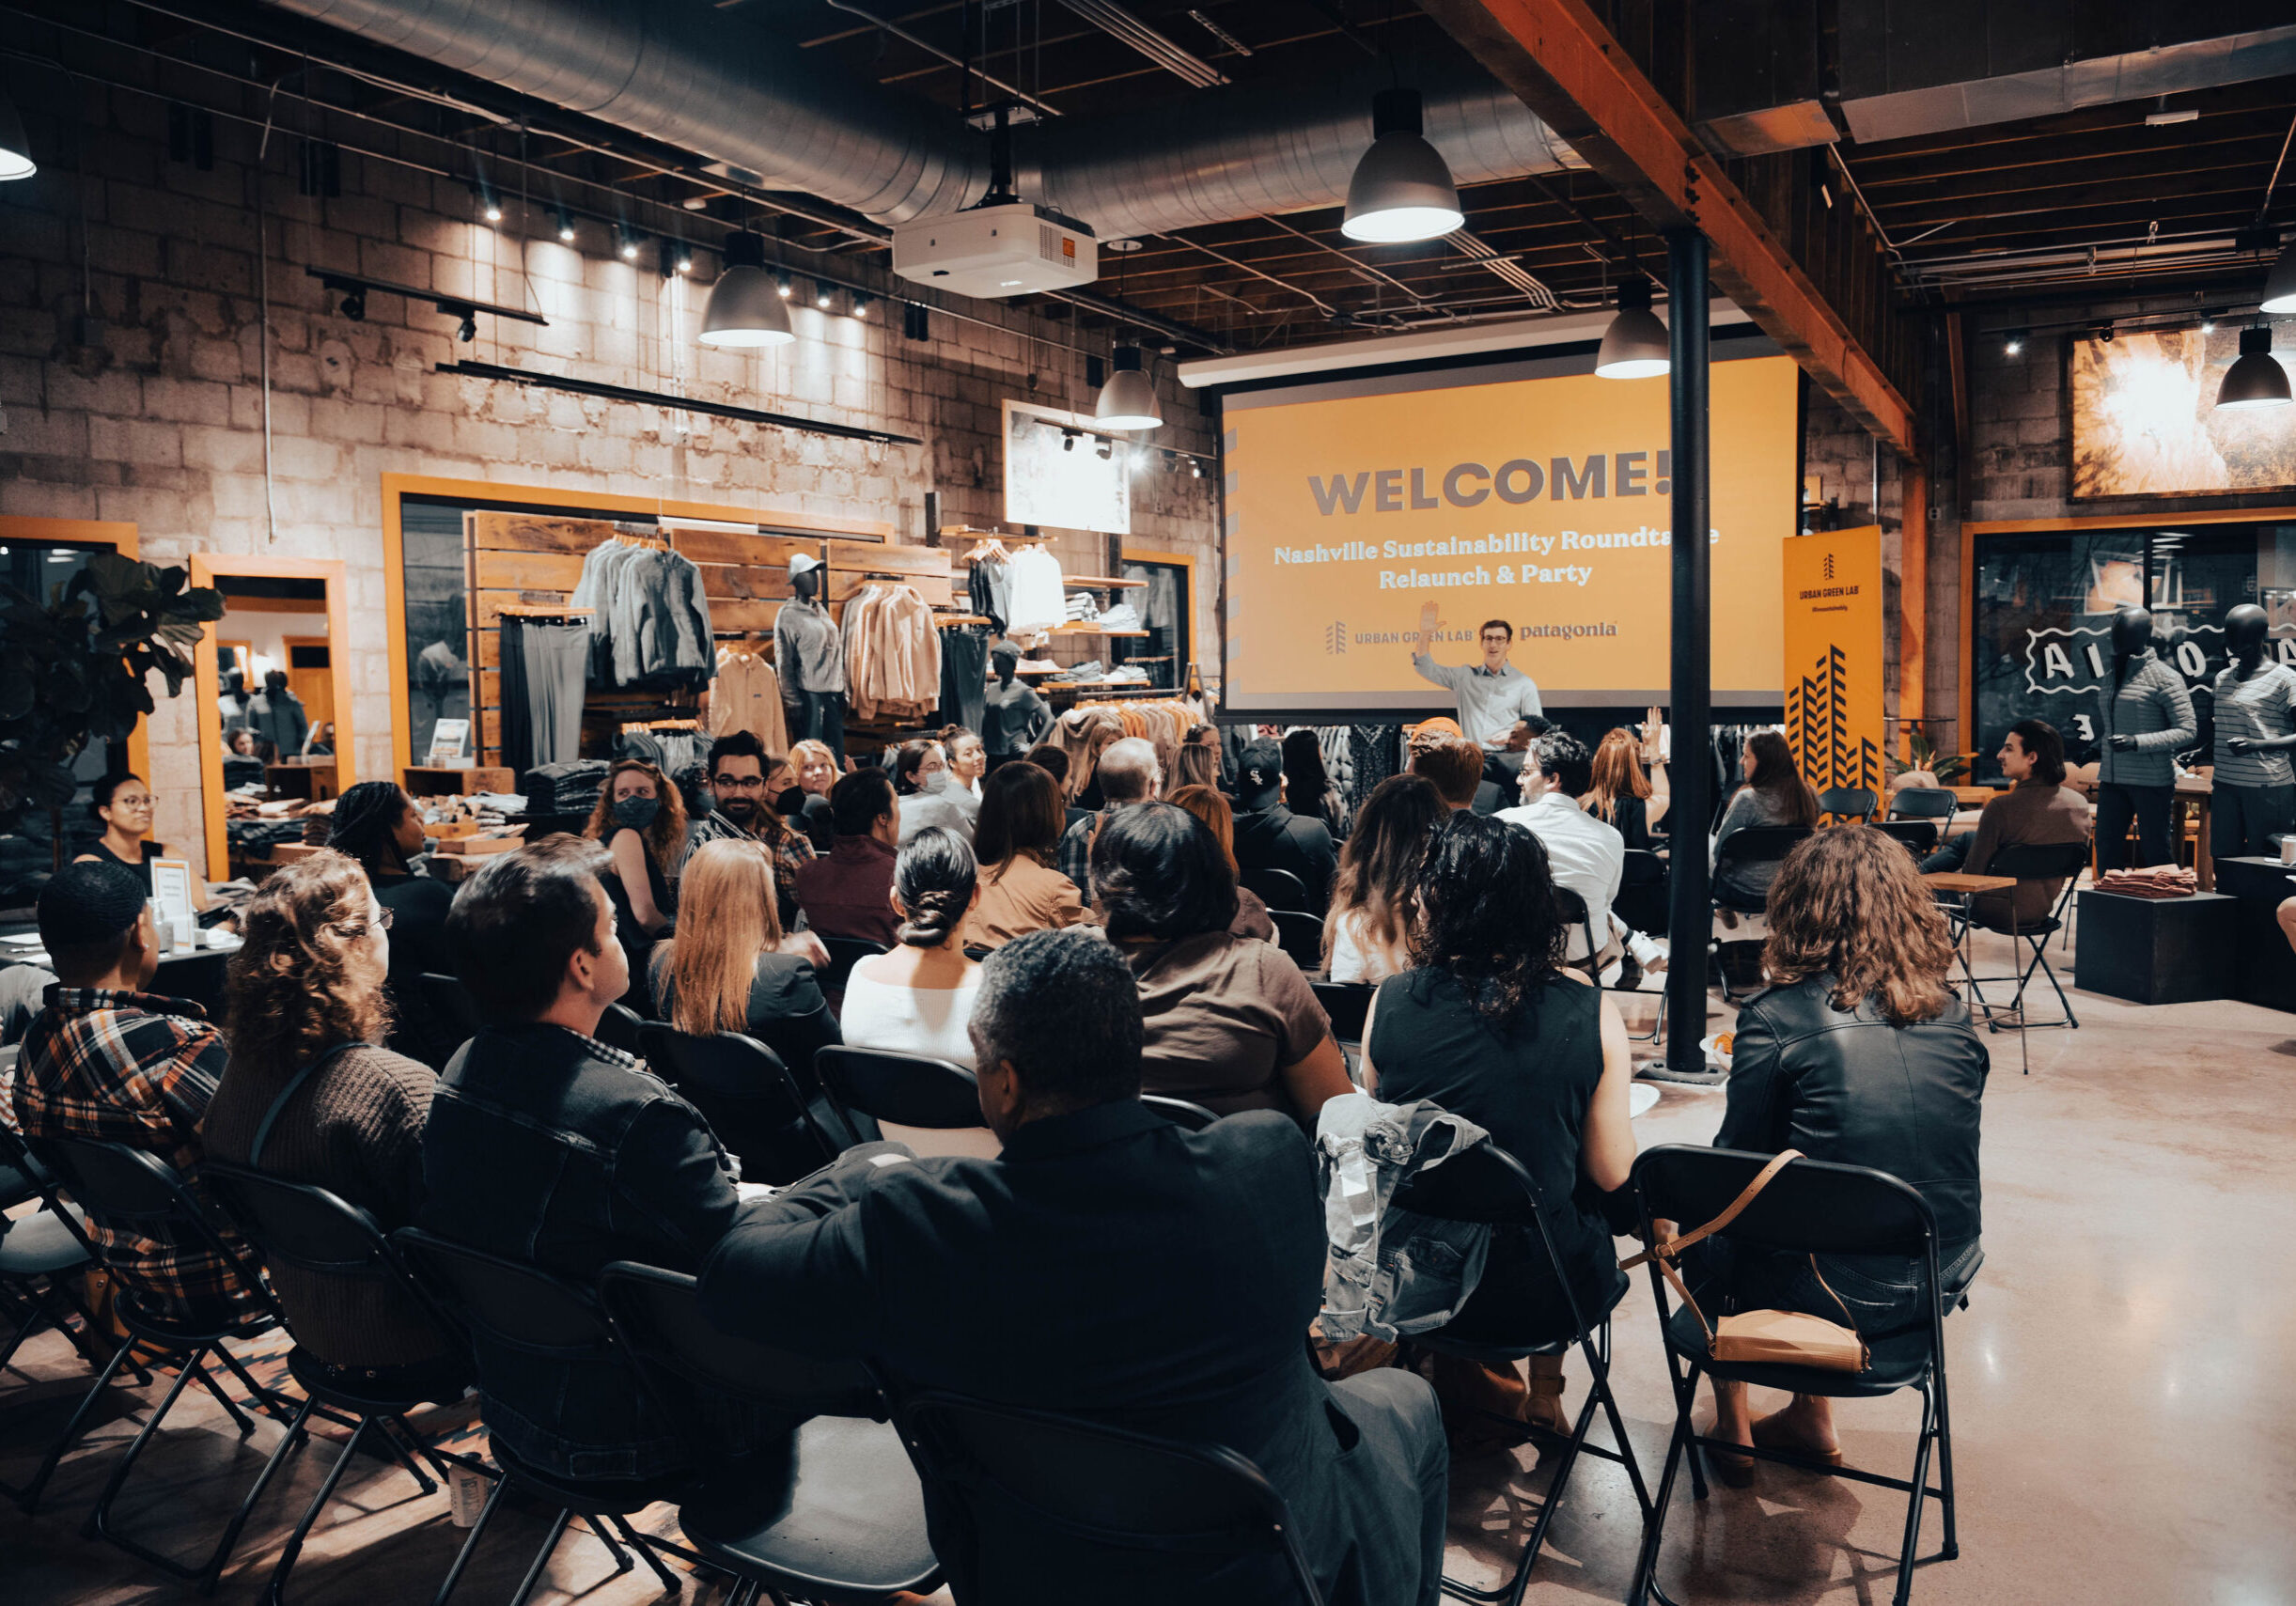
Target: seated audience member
[
  {"x": 1490, "y": 1025},
  {"x": 1210, "y": 806},
  {"x": 1583, "y": 854},
  {"x": 1774, "y": 794},
  {"x": 23, "y": 993},
  {"x": 1232, "y": 1024},
  {"x": 108, "y": 1061},
  {"x": 846, "y": 892},
  {"x": 1088, "y": 734},
  {"x": 1630, "y": 791},
  {"x": 1858, "y": 1052},
  {"x": 805, "y": 803},
  {"x": 243, "y": 743},
  {"x": 122, "y": 805},
  {"x": 743, "y": 779},
  {"x": 1018, "y": 836},
  {"x": 917, "y": 999},
  {"x": 2038, "y": 808},
  {"x": 642, "y": 820},
  {"x": 1109, "y": 1266},
  {"x": 1053, "y": 762},
  {"x": 1268, "y": 836},
  {"x": 932, "y": 799},
  {"x": 731, "y": 969},
  {"x": 320, "y": 742},
  {"x": 1198, "y": 761},
  {"x": 376, "y": 824},
  {"x": 548, "y": 1146},
  {"x": 1455, "y": 765},
  {"x": 1129, "y": 774},
  {"x": 1366, "y": 935},
  {"x": 309, "y": 1082},
  {"x": 1308, "y": 791},
  {"x": 968, "y": 759}
]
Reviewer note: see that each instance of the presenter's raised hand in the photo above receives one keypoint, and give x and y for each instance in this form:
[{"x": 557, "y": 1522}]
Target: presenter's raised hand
[{"x": 1429, "y": 625}]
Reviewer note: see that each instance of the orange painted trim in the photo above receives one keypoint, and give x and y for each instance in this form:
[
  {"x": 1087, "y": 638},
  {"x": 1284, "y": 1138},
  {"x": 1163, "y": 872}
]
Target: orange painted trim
[
  {"x": 1582, "y": 57},
  {"x": 1914, "y": 622},
  {"x": 206, "y": 567},
  {"x": 1965, "y": 645},
  {"x": 398, "y": 487},
  {"x": 2128, "y": 520},
  {"x": 122, "y": 538}
]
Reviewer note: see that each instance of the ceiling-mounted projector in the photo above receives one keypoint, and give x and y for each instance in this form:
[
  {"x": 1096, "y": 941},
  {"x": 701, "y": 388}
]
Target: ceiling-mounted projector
[{"x": 1006, "y": 250}]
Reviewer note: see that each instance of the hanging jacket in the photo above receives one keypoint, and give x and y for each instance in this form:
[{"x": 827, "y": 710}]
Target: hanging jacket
[{"x": 1392, "y": 1272}]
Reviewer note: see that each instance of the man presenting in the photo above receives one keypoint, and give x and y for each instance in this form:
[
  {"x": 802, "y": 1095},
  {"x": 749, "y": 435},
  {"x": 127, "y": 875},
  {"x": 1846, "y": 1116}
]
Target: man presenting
[{"x": 1494, "y": 698}]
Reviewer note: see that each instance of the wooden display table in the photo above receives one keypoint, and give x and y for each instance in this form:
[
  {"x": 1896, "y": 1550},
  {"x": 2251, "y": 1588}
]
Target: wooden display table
[
  {"x": 312, "y": 782},
  {"x": 436, "y": 781},
  {"x": 2158, "y": 950}
]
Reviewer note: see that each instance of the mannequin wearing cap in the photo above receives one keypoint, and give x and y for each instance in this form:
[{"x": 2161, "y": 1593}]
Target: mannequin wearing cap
[
  {"x": 1013, "y": 717},
  {"x": 809, "y": 656},
  {"x": 2147, "y": 716},
  {"x": 2254, "y": 796}
]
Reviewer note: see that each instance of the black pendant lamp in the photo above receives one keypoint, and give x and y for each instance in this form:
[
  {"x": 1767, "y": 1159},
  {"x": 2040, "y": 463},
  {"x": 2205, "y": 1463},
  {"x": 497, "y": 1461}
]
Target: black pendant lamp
[{"x": 2257, "y": 378}]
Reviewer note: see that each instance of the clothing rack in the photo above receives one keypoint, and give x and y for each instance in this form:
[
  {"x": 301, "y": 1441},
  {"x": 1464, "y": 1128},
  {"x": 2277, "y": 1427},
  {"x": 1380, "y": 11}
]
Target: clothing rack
[
  {"x": 634, "y": 727},
  {"x": 543, "y": 614}
]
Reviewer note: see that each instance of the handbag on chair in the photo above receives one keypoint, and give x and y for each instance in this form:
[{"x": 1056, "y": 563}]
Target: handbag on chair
[{"x": 1762, "y": 1337}]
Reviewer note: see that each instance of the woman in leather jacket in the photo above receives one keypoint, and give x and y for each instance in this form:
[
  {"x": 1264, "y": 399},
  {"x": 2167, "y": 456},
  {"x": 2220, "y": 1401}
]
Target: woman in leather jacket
[{"x": 1858, "y": 1052}]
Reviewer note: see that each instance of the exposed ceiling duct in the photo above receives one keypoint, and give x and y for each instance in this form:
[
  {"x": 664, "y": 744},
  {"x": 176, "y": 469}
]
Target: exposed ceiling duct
[{"x": 698, "y": 80}]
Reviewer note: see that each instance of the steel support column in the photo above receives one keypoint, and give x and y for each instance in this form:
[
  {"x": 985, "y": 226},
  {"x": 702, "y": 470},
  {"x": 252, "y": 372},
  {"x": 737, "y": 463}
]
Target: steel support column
[{"x": 1690, "y": 918}]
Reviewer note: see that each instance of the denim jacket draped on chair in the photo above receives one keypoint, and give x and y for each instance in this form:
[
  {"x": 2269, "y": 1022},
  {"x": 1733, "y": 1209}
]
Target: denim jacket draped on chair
[{"x": 1392, "y": 1272}]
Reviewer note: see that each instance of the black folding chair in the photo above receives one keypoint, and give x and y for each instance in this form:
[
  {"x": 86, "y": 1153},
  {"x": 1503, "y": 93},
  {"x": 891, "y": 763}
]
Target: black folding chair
[
  {"x": 135, "y": 1195},
  {"x": 1347, "y": 1003},
  {"x": 451, "y": 1001},
  {"x": 1849, "y": 802},
  {"x": 844, "y": 953},
  {"x": 1278, "y": 889},
  {"x": 1300, "y": 936},
  {"x": 1571, "y": 908},
  {"x": 909, "y": 1090},
  {"x": 525, "y": 1309},
  {"x": 1126, "y": 1492},
  {"x": 305, "y": 1226},
  {"x": 1180, "y": 1112},
  {"x": 1810, "y": 1207},
  {"x": 746, "y": 1095},
  {"x": 1742, "y": 850},
  {"x": 1642, "y": 890},
  {"x": 617, "y": 1028},
  {"x": 1487, "y": 1184},
  {"x": 842, "y": 1515},
  {"x": 1919, "y": 836},
  {"x": 42, "y": 1259},
  {"x": 1924, "y": 803},
  {"x": 2029, "y": 861}
]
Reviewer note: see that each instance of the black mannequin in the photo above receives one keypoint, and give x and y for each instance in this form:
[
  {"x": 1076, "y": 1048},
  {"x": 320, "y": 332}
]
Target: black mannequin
[
  {"x": 1014, "y": 716},
  {"x": 2147, "y": 718},
  {"x": 2253, "y": 797},
  {"x": 807, "y": 583}
]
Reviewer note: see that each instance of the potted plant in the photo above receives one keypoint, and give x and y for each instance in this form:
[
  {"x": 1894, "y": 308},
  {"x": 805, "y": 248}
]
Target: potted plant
[
  {"x": 1928, "y": 768},
  {"x": 73, "y": 671}
]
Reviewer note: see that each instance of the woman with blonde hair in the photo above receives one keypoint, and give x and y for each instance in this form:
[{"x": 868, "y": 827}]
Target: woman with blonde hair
[
  {"x": 1211, "y": 805},
  {"x": 1631, "y": 792},
  {"x": 1860, "y": 1053},
  {"x": 642, "y": 820},
  {"x": 730, "y": 968},
  {"x": 805, "y": 803},
  {"x": 1198, "y": 761},
  {"x": 311, "y": 1095}
]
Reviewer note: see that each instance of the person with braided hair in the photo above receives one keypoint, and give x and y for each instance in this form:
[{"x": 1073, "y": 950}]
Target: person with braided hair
[
  {"x": 919, "y": 999},
  {"x": 377, "y": 825}
]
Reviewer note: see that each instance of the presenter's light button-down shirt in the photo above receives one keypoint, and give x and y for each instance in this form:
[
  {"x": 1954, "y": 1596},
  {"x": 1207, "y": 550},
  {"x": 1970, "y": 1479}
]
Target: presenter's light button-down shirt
[{"x": 1488, "y": 705}]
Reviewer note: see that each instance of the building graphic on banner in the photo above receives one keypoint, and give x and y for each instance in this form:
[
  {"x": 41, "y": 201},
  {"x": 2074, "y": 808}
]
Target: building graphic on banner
[{"x": 1834, "y": 705}]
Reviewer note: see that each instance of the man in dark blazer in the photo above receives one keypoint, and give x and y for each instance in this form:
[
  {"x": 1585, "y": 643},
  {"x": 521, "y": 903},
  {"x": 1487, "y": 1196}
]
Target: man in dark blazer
[{"x": 1110, "y": 1265}]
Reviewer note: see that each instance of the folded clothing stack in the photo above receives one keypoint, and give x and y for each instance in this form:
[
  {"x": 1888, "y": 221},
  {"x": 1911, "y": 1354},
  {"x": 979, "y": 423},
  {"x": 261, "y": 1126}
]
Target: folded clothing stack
[
  {"x": 569, "y": 788},
  {"x": 1123, "y": 617},
  {"x": 2156, "y": 881},
  {"x": 1081, "y": 606},
  {"x": 1086, "y": 671}
]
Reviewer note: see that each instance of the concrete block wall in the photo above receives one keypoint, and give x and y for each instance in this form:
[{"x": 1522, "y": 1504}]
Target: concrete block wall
[{"x": 161, "y": 412}]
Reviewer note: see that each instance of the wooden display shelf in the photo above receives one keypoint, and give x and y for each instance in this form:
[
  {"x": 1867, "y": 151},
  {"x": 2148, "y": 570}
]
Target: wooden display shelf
[
  {"x": 1102, "y": 582},
  {"x": 435, "y": 781},
  {"x": 1088, "y": 628}
]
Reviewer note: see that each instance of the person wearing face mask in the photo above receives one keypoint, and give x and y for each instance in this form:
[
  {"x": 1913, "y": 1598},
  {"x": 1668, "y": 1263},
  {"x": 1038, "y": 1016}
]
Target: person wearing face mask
[
  {"x": 742, "y": 778},
  {"x": 641, "y": 820},
  {"x": 310, "y": 1095},
  {"x": 932, "y": 796}
]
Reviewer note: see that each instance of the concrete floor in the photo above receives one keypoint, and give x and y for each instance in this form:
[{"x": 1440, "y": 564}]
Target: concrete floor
[{"x": 2124, "y": 1406}]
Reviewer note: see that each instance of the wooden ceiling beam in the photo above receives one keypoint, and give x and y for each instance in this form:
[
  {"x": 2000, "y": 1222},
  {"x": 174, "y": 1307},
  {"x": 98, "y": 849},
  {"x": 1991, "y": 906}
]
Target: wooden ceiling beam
[{"x": 1565, "y": 66}]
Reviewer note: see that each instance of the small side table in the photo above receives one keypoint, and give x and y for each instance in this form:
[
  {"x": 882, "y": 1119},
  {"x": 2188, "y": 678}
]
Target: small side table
[
  {"x": 1964, "y": 887},
  {"x": 2158, "y": 950}
]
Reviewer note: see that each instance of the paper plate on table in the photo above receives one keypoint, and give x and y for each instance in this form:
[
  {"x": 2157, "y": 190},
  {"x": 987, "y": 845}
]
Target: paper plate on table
[
  {"x": 1717, "y": 1058},
  {"x": 1640, "y": 1097}
]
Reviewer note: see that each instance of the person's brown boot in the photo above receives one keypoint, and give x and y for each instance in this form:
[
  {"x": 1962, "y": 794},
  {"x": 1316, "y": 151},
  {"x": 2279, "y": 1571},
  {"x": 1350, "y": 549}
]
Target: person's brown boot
[{"x": 1544, "y": 1408}]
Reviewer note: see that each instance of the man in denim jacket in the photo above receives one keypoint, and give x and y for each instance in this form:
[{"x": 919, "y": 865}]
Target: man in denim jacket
[{"x": 547, "y": 1145}]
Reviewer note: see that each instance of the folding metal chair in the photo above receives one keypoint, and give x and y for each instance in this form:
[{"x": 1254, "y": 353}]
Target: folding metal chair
[
  {"x": 908, "y": 1090},
  {"x": 137, "y": 1194},
  {"x": 1299, "y": 936},
  {"x": 1487, "y": 1184},
  {"x": 1743, "y": 848},
  {"x": 1126, "y": 1492},
  {"x": 1810, "y": 1207},
  {"x": 451, "y": 1001},
  {"x": 746, "y": 1095},
  {"x": 844, "y": 953},
  {"x": 1278, "y": 889},
  {"x": 1919, "y": 836},
  {"x": 1924, "y": 803},
  {"x": 1180, "y": 1112},
  {"x": 1348, "y": 1003},
  {"x": 617, "y": 1028},
  {"x": 1849, "y": 802},
  {"x": 842, "y": 1516},
  {"x": 2029, "y": 861}
]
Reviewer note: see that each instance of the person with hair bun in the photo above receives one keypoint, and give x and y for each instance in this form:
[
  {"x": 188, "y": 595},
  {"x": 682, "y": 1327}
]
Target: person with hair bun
[
  {"x": 919, "y": 999},
  {"x": 376, "y": 824},
  {"x": 310, "y": 1095}
]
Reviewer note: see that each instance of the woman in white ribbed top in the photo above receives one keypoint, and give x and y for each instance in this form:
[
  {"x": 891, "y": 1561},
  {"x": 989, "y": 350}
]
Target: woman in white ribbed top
[{"x": 919, "y": 999}]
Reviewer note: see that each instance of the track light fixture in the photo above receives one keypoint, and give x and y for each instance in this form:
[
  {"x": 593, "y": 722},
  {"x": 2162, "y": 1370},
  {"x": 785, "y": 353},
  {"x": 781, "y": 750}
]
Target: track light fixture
[
  {"x": 566, "y": 229},
  {"x": 628, "y": 245},
  {"x": 1068, "y": 439},
  {"x": 1402, "y": 189},
  {"x": 467, "y": 330},
  {"x": 2257, "y": 378},
  {"x": 494, "y": 211},
  {"x": 1128, "y": 400},
  {"x": 859, "y": 306},
  {"x": 15, "y": 149},
  {"x": 2014, "y": 341},
  {"x": 745, "y": 308},
  {"x": 821, "y": 294},
  {"x": 784, "y": 284},
  {"x": 1634, "y": 346},
  {"x": 355, "y": 307},
  {"x": 2207, "y": 320}
]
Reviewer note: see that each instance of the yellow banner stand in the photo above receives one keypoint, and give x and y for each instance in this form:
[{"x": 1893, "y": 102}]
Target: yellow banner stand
[{"x": 1834, "y": 657}]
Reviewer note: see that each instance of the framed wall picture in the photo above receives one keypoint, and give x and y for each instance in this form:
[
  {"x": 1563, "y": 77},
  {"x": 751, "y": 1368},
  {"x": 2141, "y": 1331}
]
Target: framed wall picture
[
  {"x": 1064, "y": 472},
  {"x": 2146, "y": 423}
]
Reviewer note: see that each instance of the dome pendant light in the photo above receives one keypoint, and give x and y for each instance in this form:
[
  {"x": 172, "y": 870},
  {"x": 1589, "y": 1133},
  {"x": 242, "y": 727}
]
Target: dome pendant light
[
  {"x": 15, "y": 150},
  {"x": 1128, "y": 400},
  {"x": 2257, "y": 379},
  {"x": 2280, "y": 284},
  {"x": 745, "y": 308},
  {"x": 1634, "y": 347},
  {"x": 1402, "y": 188}
]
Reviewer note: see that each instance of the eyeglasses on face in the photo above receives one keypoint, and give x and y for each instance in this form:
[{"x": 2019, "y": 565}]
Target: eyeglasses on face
[{"x": 740, "y": 784}]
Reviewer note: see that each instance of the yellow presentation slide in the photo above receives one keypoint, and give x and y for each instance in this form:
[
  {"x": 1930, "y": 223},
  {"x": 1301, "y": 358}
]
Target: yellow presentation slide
[{"x": 1543, "y": 502}]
